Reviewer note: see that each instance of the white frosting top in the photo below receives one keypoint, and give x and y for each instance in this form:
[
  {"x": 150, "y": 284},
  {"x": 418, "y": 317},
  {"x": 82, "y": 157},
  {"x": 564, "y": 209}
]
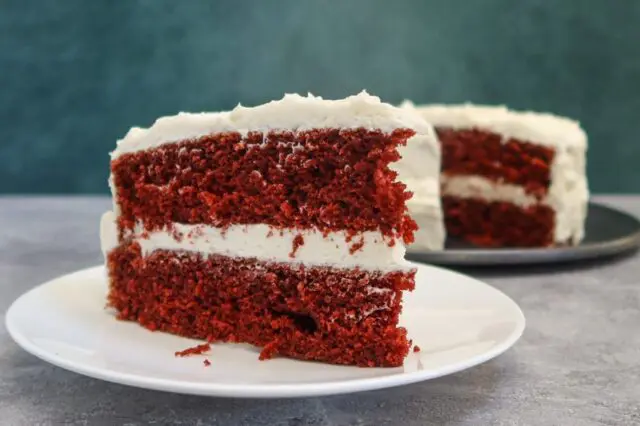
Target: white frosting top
[
  {"x": 538, "y": 128},
  {"x": 293, "y": 112},
  {"x": 259, "y": 241}
]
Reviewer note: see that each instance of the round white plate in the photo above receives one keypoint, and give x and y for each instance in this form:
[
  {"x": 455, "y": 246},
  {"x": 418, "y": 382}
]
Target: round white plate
[{"x": 457, "y": 321}]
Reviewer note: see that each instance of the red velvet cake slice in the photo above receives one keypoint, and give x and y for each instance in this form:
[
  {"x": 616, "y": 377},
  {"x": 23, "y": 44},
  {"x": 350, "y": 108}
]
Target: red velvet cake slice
[
  {"x": 510, "y": 178},
  {"x": 281, "y": 225}
]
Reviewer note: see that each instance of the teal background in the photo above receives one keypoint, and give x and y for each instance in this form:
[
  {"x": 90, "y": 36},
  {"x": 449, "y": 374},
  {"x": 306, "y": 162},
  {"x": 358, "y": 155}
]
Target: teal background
[{"x": 77, "y": 74}]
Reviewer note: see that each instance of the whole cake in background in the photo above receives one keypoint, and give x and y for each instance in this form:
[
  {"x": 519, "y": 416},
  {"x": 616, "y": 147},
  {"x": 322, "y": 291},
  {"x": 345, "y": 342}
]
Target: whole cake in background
[
  {"x": 509, "y": 178},
  {"x": 281, "y": 225}
]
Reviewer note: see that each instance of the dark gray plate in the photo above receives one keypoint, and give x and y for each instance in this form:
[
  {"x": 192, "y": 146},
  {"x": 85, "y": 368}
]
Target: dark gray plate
[{"x": 608, "y": 232}]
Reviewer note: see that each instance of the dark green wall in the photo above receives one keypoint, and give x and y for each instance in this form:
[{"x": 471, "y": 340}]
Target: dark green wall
[{"x": 77, "y": 74}]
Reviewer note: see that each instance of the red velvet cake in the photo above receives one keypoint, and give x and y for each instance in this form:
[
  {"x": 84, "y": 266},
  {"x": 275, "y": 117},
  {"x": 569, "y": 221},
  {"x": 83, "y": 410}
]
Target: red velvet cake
[
  {"x": 281, "y": 225},
  {"x": 510, "y": 178}
]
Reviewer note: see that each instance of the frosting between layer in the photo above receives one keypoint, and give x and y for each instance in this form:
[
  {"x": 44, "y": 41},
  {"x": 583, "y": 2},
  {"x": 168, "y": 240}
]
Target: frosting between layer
[
  {"x": 264, "y": 243},
  {"x": 466, "y": 186}
]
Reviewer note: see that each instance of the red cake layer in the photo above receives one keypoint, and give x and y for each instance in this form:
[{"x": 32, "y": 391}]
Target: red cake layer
[
  {"x": 329, "y": 179},
  {"x": 498, "y": 224},
  {"x": 476, "y": 152},
  {"x": 310, "y": 313}
]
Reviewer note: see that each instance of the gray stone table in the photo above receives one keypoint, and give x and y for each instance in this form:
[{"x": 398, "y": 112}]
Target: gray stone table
[{"x": 578, "y": 362}]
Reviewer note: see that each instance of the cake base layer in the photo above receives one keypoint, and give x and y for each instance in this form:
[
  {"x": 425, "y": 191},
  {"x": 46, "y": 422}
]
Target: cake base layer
[
  {"x": 498, "y": 224},
  {"x": 338, "y": 316}
]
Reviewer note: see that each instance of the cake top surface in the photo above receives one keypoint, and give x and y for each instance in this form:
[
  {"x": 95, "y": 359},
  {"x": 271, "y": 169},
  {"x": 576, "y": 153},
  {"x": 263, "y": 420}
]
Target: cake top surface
[
  {"x": 541, "y": 128},
  {"x": 293, "y": 113}
]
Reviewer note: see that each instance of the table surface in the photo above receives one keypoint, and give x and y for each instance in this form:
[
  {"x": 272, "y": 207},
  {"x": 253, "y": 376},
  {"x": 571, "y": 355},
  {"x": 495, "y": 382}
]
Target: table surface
[{"x": 578, "y": 362}]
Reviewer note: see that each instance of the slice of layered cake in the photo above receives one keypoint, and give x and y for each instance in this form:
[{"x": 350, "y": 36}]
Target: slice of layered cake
[
  {"x": 281, "y": 225},
  {"x": 510, "y": 178}
]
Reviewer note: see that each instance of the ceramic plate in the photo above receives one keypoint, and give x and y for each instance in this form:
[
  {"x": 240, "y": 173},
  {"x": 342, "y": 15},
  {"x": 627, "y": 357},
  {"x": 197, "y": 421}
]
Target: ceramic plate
[
  {"x": 607, "y": 232},
  {"x": 457, "y": 321}
]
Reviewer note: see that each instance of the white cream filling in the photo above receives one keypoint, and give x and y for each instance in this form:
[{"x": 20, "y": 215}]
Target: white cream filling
[
  {"x": 419, "y": 169},
  {"x": 261, "y": 242},
  {"x": 463, "y": 186}
]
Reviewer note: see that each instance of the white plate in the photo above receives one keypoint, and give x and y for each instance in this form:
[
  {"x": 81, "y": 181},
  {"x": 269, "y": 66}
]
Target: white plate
[{"x": 457, "y": 321}]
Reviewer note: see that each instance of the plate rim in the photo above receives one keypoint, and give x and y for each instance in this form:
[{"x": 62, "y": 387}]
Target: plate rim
[
  {"x": 264, "y": 391},
  {"x": 524, "y": 256}
]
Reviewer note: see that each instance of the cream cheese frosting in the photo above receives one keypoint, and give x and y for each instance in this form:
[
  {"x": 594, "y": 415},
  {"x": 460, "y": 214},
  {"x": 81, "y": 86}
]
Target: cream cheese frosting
[
  {"x": 419, "y": 169},
  {"x": 263, "y": 243},
  {"x": 478, "y": 187}
]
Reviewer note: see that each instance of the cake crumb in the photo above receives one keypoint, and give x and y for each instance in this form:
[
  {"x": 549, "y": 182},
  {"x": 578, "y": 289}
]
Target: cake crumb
[
  {"x": 195, "y": 350},
  {"x": 356, "y": 246},
  {"x": 297, "y": 242},
  {"x": 206, "y": 362},
  {"x": 416, "y": 348}
]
